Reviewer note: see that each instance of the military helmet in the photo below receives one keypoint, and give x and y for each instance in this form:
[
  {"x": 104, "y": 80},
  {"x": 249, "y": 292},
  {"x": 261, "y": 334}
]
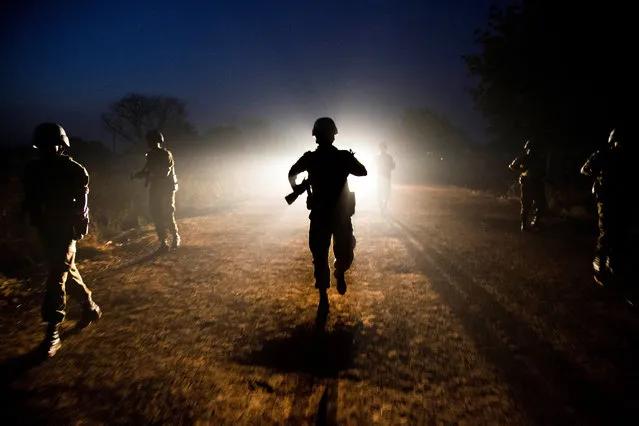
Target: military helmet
[
  {"x": 154, "y": 136},
  {"x": 50, "y": 135},
  {"x": 324, "y": 126},
  {"x": 619, "y": 135}
]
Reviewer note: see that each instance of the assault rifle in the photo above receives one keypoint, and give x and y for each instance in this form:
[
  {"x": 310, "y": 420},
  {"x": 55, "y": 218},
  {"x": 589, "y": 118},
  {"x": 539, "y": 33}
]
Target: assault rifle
[{"x": 298, "y": 190}]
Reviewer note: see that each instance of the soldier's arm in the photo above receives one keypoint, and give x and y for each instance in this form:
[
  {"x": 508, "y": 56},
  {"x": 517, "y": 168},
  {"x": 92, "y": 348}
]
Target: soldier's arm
[
  {"x": 355, "y": 167},
  {"x": 516, "y": 165},
  {"x": 300, "y": 166},
  {"x": 144, "y": 173},
  {"x": 591, "y": 167},
  {"x": 81, "y": 191},
  {"x": 171, "y": 162},
  {"x": 392, "y": 163}
]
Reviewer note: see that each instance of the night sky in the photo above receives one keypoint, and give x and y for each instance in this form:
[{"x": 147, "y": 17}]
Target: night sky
[{"x": 280, "y": 60}]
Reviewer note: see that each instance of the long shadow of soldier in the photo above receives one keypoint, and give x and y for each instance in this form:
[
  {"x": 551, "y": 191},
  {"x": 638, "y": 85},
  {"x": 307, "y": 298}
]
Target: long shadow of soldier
[
  {"x": 16, "y": 367},
  {"x": 312, "y": 350},
  {"x": 316, "y": 352},
  {"x": 13, "y": 399},
  {"x": 543, "y": 378}
]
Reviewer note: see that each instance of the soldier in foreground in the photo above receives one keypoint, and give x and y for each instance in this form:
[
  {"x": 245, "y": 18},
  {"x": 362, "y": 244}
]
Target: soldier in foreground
[
  {"x": 159, "y": 173},
  {"x": 385, "y": 165},
  {"x": 56, "y": 189},
  {"x": 611, "y": 168},
  {"x": 531, "y": 167},
  {"x": 331, "y": 204}
]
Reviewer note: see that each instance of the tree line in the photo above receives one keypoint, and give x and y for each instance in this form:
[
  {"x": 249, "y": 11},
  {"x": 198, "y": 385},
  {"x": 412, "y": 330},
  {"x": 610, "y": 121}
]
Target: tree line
[{"x": 563, "y": 73}]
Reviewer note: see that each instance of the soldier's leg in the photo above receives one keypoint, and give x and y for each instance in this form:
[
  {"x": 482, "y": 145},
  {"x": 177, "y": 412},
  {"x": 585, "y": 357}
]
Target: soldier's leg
[
  {"x": 382, "y": 191},
  {"x": 601, "y": 262},
  {"x": 77, "y": 290},
  {"x": 319, "y": 241},
  {"x": 539, "y": 200},
  {"x": 157, "y": 214},
  {"x": 75, "y": 286},
  {"x": 343, "y": 248},
  {"x": 526, "y": 203},
  {"x": 386, "y": 191},
  {"x": 170, "y": 220},
  {"x": 54, "y": 305}
]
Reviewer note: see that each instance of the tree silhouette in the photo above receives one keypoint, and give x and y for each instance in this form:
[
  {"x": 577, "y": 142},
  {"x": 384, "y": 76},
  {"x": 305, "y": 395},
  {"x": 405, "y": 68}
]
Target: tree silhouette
[
  {"x": 134, "y": 114},
  {"x": 426, "y": 130},
  {"x": 559, "y": 71}
]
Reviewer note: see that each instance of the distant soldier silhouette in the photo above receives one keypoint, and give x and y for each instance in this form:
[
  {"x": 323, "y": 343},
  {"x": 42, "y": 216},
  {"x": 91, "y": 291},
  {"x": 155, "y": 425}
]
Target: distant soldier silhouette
[
  {"x": 612, "y": 169},
  {"x": 159, "y": 175},
  {"x": 56, "y": 190},
  {"x": 331, "y": 204},
  {"x": 385, "y": 165},
  {"x": 532, "y": 169}
]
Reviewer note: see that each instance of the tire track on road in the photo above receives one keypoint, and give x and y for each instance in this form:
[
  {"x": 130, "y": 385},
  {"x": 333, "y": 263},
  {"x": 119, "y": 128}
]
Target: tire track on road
[{"x": 549, "y": 387}]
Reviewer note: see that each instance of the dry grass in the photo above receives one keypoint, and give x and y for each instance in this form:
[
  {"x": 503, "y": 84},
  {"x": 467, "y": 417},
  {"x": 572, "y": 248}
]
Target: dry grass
[{"x": 444, "y": 322}]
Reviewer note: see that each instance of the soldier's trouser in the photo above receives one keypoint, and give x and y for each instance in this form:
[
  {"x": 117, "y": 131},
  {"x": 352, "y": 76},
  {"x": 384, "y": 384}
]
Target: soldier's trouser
[
  {"x": 63, "y": 278},
  {"x": 383, "y": 189},
  {"x": 614, "y": 224},
  {"x": 162, "y": 209},
  {"x": 319, "y": 239},
  {"x": 532, "y": 192}
]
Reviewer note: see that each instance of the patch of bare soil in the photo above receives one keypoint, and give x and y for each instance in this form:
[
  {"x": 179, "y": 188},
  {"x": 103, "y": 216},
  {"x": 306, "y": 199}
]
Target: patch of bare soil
[{"x": 452, "y": 316}]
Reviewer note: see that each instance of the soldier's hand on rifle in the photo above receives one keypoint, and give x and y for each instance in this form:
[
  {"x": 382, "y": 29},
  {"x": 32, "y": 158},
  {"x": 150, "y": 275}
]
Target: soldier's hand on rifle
[{"x": 301, "y": 187}]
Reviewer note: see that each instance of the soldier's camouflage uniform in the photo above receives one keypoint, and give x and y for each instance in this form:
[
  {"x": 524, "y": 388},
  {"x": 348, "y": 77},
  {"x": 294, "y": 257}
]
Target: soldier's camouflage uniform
[
  {"x": 159, "y": 173},
  {"x": 531, "y": 179},
  {"x": 56, "y": 189},
  {"x": 612, "y": 169}
]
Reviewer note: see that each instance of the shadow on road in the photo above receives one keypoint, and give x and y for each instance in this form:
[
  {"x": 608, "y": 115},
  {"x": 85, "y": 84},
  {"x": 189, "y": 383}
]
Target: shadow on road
[
  {"x": 308, "y": 349},
  {"x": 15, "y": 368},
  {"x": 547, "y": 385},
  {"x": 316, "y": 352},
  {"x": 102, "y": 404}
]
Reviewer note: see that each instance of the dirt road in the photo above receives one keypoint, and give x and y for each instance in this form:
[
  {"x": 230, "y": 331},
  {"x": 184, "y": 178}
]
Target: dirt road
[{"x": 452, "y": 316}]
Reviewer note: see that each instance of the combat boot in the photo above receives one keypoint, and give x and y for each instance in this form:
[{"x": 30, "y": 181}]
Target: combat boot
[
  {"x": 91, "y": 313},
  {"x": 341, "y": 282},
  {"x": 177, "y": 241},
  {"x": 52, "y": 341}
]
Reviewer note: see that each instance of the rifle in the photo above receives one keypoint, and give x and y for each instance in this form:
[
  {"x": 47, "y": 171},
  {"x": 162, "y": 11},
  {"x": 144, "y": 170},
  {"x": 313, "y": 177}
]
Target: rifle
[{"x": 298, "y": 190}]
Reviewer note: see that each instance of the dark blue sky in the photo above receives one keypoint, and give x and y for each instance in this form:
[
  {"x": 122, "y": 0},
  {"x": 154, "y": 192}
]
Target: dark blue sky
[{"x": 276, "y": 59}]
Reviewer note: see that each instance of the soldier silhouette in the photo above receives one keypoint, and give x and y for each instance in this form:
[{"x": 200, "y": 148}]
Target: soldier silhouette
[
  {"x": 612, "y": 171},
  {"x": 56, "y": 190},
  {"x": 531, "y": 167},
  {"x": 385, "y": 165},
  {"x": 159, "y": 175},
  {"x": 331, "y": 203}
]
